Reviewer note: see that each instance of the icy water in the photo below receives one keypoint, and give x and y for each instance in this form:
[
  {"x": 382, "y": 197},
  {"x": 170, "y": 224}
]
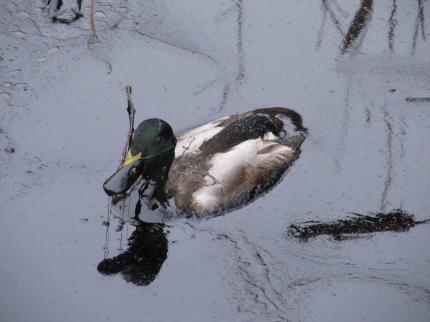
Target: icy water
[{"x": 357, "y": 71}]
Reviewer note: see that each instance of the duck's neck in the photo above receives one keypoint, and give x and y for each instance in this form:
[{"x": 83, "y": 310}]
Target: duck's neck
[{"x": 155, "y": 173}]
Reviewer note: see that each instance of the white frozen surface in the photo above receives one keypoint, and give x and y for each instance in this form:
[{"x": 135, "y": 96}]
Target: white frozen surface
[{"x": 62, "y": 107}]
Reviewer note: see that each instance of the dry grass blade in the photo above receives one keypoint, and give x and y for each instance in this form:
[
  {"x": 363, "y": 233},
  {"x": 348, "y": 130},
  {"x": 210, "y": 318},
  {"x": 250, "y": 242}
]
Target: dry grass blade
[{"x": 93, "y": 25}]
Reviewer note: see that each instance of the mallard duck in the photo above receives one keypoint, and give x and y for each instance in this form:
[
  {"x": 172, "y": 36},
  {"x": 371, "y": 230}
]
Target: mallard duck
[{"x": 210, "y": 169}]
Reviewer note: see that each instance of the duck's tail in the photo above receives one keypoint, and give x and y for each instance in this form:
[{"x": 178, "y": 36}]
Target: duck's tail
[{"x": 295, "y": 117}]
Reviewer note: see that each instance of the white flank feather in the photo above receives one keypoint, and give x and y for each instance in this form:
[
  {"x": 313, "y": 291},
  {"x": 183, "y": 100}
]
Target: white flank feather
[
  {"x": 191, "y": 140},
  {"x": 228, "y": 166}
]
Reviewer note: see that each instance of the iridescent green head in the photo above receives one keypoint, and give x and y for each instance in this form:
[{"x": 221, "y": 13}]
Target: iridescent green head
[
  {"x": 151, "y": 154},
  {"x": 152, "y": 137}
]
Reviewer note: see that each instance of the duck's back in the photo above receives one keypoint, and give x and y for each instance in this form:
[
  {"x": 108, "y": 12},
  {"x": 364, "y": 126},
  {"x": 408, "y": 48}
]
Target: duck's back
[{"x": 231, "y": 161}]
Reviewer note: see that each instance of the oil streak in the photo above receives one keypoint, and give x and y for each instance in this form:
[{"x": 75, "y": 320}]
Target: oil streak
[
  {"x": 358, "y": 25},
  {"x": 392, "y": 23},
  {"x": 419, "y": 25},
  {"x": 390, "y": 168},
  {"x": 397, "y": 221},
  {"x": 333, "y": 17}
]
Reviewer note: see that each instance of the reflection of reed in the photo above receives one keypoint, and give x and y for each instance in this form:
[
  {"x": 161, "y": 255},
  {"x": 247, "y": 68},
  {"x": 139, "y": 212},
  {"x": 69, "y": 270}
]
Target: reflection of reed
[
  {"x": 241, "y": 64},
  {"x": 240, "y": 72},
  {"x": 345, "y": 124},
  {"x": 390, "y": 166},
  {"x": 392, "y": 23},
  {"x": 419, "y": 25},
  {"x": 331, "y": 8},
  {"x": 320, "y": 32},
  {"x": 358, "y": 24},
  {"x": 328, "y": 8}
]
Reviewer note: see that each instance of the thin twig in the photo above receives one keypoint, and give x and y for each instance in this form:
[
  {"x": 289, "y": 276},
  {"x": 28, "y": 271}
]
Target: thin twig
[
  {"x": 418, "y": 99},
  {"x": 131, "y": 111},
  {"x": 93, "y": 25}
]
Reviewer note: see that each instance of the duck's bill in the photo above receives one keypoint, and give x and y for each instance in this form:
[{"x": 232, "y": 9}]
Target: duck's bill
[{"x": 123, "y": 179}]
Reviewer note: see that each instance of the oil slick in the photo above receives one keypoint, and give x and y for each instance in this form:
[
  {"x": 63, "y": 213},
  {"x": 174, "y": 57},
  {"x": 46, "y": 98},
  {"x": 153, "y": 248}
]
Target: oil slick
[{"x": 396, "y": 221}]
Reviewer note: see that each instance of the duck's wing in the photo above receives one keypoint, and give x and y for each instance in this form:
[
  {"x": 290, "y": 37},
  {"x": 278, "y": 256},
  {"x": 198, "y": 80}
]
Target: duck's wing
[
  {"x": 189, "y": 141},
  {"x": 274, "y": 120},
  {"x": 241, "y": 174}
]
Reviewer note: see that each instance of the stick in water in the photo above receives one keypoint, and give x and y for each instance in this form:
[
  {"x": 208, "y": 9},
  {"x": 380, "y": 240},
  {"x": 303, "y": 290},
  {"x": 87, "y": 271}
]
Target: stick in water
[
  {"x": 131, "y": 111},
  {"x": 93, "y": 25}
]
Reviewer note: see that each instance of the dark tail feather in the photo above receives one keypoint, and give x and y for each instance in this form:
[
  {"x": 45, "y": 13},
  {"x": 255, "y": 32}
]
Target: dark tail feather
[{"x": 295, "y": 117}]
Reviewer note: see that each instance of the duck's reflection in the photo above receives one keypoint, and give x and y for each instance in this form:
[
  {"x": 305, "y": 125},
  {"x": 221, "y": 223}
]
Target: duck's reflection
[{"x": 142, "y": 261}]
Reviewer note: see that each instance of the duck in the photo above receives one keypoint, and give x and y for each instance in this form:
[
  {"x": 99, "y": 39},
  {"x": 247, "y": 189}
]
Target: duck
[{"x": 211, "y": 169}]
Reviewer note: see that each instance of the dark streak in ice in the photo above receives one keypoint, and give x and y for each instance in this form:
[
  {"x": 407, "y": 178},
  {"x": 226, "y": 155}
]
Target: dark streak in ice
[
  {"x": 241, "y": 64},
  {"x": 333, "y": 17},
  {"x": 344, "y": 125},
  {"x": 419, "y": 25},
  {"x": 321, "y": 30},
  {"x": 339, "y": 8},
  {"x": 421, "y": 18},
  {"x": 417, "y": 99},
  {"x": 392, "y": 23},
  {"x": 224, "y": 99},
  {"x": 368, "y": 115},
  {"x": 240, "y": 73},
  {"x": 358, "y": 25},
  {"x": 403, "y": 127},
  {"x": 252, "y": 270},
  {"x": 107, "y": 63},
  {"x": 190, "y": 50},
  {"x": 389, "y": 145}
]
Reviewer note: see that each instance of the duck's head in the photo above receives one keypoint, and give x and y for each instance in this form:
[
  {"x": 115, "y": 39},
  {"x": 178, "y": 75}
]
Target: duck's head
[{"x": 150, "y": 156}]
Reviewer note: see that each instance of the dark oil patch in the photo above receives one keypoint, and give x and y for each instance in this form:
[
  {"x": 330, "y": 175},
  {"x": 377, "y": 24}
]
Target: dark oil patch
[
  {"x": 142, "y": 261},
  {"x": 396, "y": 221}
]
